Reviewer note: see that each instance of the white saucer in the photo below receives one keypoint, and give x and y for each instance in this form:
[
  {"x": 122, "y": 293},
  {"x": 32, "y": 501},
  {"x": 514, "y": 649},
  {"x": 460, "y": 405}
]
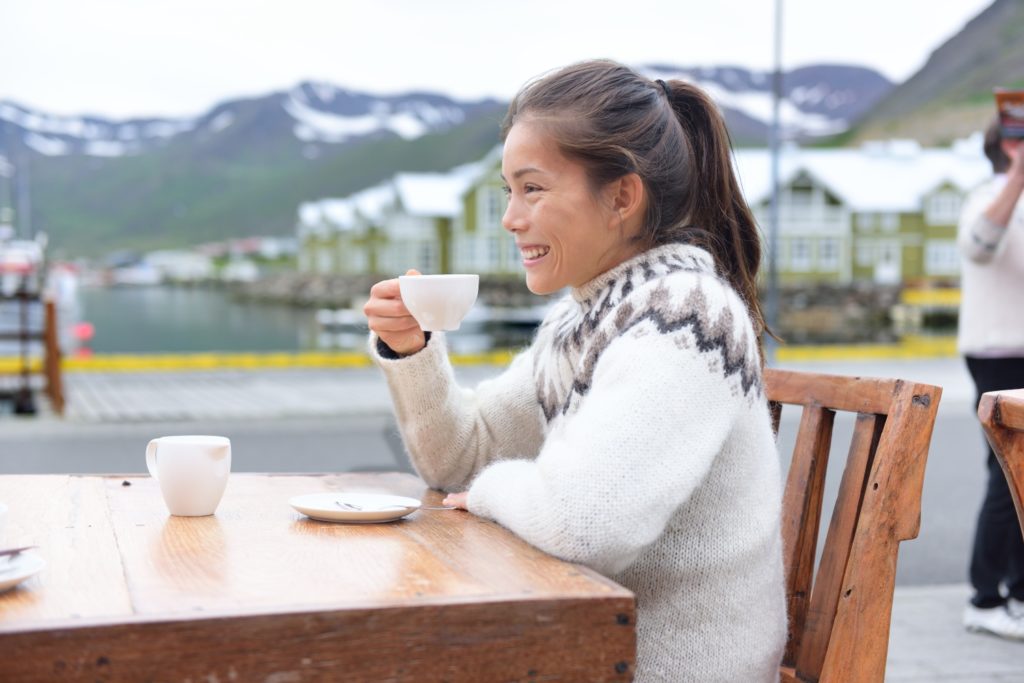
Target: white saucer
[
  {"x": 376, "y": 507},
  {"x": 18, "y": 568}
]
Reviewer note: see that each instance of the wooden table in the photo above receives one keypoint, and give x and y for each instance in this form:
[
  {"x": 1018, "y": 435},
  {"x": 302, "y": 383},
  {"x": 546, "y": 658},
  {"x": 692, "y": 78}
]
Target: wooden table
[{"x": 260, "y": 592}]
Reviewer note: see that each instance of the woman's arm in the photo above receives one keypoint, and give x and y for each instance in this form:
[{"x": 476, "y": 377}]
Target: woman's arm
[
  {"x": 608, "y": 479},
  {"x": 984, "y": 226},
  {"x": 452, "y": 433}
]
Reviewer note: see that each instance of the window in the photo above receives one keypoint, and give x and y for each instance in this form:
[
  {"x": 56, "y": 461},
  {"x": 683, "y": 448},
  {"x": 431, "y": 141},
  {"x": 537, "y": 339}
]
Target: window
[
  {"x": 799, "y": 254},
  {"x": 866, "y": 254},
  {"x": 890, "y": 222},
  {"x": 828, "y": 254},
  {"x": 943, "y": 208},
  {"x": 493, "y": 208},
  {"x": 941, "y": 258},
  {"x": 494, "y": 254},
  {"x": 865, "y": 221}
]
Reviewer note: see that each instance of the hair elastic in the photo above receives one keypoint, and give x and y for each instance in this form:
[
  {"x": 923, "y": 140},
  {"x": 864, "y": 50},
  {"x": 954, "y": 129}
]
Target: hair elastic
[{"x": 664, "y": 86}]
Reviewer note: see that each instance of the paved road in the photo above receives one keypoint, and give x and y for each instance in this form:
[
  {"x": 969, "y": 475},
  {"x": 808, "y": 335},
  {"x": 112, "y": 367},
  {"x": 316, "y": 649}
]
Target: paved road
[{"x": 368, "y": 441}]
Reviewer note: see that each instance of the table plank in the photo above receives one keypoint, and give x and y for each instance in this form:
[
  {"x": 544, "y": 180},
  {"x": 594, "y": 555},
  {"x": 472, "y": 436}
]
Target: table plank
[{"x": 67, "y": 517}]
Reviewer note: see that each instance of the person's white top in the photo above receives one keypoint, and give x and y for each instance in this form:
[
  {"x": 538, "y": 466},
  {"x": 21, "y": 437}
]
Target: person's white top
[
  {"x": 633, "y": 436},
  {"x": 991, "y": 278}
]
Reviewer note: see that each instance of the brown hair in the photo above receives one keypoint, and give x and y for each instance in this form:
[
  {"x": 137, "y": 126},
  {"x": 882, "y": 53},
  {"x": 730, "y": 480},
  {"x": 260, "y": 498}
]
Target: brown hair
[
  {"x": 615, "y": 122},
  {"x": 994, "y": 147}
]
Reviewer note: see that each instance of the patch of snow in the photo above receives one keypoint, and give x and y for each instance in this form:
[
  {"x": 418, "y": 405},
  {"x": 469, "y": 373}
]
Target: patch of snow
[
  {"x": 325, "y": 91},
  {"x": 105, "y": 148},
  {"x": 47, "y": 146},
  {"x": 316, "y": 125},
  {"x": 167, "y": 128},
  {"x": 221, "y": 121}
]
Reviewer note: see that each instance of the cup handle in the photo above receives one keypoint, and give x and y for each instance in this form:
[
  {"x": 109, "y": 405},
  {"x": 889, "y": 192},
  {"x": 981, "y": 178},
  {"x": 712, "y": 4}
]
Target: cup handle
[{"x": 151, "y": 457}]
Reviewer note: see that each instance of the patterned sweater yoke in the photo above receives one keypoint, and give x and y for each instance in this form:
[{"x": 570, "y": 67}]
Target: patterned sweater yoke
[{"x": 672, "y": 291}]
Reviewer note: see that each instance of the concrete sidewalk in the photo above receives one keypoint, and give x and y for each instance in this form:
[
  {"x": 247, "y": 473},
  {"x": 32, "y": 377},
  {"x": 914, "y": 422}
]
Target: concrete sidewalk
[{"x": 928, "y": 643}]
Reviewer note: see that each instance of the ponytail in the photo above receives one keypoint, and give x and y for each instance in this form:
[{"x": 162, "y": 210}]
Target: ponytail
[{"x": 719, "y": 219}]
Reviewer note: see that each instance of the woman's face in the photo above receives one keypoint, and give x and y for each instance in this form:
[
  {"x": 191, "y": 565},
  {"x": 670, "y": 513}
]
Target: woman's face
[{"x": 566, "y": 234}]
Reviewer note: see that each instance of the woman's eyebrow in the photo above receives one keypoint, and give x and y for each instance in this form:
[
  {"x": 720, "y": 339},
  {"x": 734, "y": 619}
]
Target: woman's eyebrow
[{"x": 522, "y": 171}]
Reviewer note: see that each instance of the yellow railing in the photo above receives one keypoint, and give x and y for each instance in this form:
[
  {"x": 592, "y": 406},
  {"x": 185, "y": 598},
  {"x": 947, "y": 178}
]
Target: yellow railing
[
  {"x": 909, "y": 348},
  {"x": 946, "y": 298}
]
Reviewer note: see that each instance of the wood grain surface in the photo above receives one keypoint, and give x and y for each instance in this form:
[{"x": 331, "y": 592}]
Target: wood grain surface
[{"x": 260, "y": 592}]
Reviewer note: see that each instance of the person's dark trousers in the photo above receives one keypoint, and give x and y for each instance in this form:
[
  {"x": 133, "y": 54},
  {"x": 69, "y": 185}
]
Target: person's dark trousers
[{"x": 998, "y": 553}]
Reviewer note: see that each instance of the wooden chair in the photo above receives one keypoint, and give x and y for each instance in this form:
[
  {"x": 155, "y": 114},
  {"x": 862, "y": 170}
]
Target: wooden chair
[
  {"x": 839, "y": 616},
  {"x": 1002, "y": 416}
]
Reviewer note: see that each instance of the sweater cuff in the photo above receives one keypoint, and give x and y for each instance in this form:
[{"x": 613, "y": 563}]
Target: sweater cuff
[
  {"x": 986, "y": 235},
  {"x": 387, "y": 353}
]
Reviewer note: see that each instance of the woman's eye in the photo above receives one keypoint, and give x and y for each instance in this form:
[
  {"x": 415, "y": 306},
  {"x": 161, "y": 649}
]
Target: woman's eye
[
  {"x": 507, "y": 190},
  {"x": 531, "y": 188}
]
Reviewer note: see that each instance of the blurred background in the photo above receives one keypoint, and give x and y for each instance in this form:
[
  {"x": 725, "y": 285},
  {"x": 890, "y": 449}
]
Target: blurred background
[{"x": 204, "y": 192}]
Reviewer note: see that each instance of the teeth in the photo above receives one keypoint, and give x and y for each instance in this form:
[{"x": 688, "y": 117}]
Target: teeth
[{"x": 535, "y": 252}]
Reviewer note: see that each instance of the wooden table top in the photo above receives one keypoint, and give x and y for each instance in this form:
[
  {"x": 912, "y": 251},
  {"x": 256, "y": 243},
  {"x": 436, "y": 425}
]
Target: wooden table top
[{"x": 115, "y": 557}]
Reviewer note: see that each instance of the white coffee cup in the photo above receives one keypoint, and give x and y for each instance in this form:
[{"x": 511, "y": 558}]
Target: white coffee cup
[
  {"x": 439, "y": 302},
  {"x": 192, "y": 472}
]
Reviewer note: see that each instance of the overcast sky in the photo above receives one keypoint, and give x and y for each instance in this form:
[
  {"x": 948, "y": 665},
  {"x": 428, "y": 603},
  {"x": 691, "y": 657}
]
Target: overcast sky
[{"x": 159, "y": 57}]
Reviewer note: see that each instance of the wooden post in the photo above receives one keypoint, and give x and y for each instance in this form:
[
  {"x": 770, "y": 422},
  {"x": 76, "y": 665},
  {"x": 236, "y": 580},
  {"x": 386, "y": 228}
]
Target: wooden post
[{"x": 51, "y": 359}]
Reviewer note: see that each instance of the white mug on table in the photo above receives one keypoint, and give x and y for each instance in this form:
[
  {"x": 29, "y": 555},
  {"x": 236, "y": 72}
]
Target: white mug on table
[{"x": 192, "y": 472}]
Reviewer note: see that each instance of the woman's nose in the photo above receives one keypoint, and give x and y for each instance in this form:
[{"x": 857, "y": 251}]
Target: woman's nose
[{"x": 510, "y": 220}]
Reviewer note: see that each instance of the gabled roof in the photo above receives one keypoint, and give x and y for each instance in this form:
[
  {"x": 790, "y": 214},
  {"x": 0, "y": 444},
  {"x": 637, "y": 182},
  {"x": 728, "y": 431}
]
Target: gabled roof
[
  {"x": 343, "y": 214},
  {"x": 885, "y": 177},
  {"x": 434, "y": 194}
]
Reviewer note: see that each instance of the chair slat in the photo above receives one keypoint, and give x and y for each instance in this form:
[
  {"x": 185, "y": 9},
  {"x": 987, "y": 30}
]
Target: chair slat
[
  {"x": 801, "y": 515},
  {"x": 828, "y": 585},
  {"x": 851, "y": 394},
  {"x": 890, "y": 513}
]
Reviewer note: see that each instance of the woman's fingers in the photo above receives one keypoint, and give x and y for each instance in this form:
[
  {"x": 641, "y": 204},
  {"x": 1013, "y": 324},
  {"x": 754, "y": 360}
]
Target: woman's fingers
[{"x": 390, "y": 324}]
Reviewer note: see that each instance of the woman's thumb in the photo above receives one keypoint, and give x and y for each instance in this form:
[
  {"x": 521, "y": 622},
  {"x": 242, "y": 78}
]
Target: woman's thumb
[{"x": 412, "y": 271}]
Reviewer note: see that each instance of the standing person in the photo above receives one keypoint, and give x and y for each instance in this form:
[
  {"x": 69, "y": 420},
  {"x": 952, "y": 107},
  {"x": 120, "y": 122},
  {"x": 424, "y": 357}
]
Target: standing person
[
  {"x": 991, "y": 338},
  {"x": 633, "y": 435}
]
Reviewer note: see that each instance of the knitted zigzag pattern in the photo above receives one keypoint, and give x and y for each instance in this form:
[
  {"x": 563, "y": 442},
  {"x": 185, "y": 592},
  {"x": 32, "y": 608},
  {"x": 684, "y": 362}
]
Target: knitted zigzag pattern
[{"x": 578, "y": 342}]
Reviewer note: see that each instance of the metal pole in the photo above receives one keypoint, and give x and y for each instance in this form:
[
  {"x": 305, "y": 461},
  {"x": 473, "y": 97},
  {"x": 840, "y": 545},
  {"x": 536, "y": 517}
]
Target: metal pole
[{"x": 772, "y": 307}]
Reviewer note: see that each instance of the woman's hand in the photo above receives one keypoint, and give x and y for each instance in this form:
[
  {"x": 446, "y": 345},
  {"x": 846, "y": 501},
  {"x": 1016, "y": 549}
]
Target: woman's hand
[
  {"x": 459, "y": 500},
  {"x": 390, "y": 319}
]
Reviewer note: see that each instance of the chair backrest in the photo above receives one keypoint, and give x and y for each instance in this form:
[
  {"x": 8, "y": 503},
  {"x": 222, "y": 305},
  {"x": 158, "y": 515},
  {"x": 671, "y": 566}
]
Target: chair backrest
[
  {"x": 1002, "y": 415},
  {"x": 839, "y": 616}
]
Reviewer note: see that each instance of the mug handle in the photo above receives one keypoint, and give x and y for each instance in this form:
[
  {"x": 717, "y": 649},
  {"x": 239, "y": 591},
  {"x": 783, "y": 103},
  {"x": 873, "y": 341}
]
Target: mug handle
[{"x": 151, "y": 457}]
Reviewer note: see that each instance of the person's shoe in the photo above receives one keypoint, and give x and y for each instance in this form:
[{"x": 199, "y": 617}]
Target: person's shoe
[
  {"x": 997, "y": 620},
  {"x": 1015, "y": 608}
]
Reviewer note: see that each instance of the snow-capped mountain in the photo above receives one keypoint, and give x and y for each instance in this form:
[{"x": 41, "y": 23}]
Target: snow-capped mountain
[
  {"x": 310, "y": 114},
  {"x": 819, "y": 100}
]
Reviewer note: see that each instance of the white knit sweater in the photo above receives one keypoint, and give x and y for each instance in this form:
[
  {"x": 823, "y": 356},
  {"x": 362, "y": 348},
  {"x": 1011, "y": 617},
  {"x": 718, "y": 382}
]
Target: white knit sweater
[
  {"x": 991, "y": 278},
  {"x": 633, "y": 437}
]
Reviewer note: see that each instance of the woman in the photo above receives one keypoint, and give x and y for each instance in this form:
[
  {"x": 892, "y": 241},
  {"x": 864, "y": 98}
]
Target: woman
[{"x": 633, "y": 435}]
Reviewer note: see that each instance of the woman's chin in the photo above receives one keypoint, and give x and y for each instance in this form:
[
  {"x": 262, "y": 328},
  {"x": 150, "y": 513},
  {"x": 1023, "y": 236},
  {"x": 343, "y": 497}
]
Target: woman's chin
[{"x": 540, "y": 286}]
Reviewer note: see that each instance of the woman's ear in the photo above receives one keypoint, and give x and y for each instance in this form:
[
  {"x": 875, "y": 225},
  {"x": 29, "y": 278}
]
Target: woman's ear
[{"x": 628, "y": 198}]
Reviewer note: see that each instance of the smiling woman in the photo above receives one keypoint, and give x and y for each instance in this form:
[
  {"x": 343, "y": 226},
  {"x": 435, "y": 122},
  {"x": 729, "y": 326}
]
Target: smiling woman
[{"x": 633, "y": 436}]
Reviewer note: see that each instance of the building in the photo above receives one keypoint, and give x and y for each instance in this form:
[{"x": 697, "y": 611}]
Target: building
[{"x": 885, "y": 213}]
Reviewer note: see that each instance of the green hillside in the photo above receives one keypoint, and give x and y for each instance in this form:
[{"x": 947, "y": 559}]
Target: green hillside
[
  {"x": 189, "y": 191},
  {"x": 951, "y": 96}
]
